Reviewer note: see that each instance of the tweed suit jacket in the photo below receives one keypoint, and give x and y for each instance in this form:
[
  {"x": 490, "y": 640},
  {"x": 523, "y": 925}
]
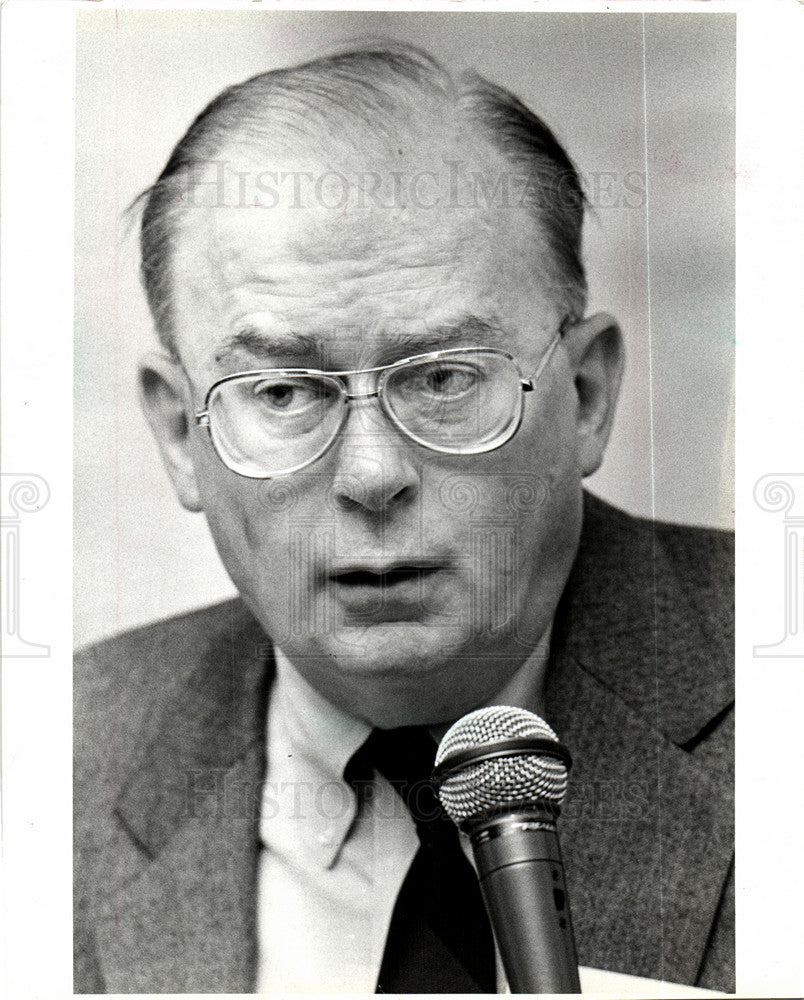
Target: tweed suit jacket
[{"x": 170, "y": 755}]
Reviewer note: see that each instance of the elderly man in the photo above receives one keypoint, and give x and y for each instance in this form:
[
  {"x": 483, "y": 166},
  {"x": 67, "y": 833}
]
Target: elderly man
[{"x": 380, "y": 386}]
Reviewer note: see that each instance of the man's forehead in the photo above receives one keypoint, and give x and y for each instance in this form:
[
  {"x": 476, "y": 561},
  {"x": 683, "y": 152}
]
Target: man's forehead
[
  {"x": 359, "y": 191},
  {"x": 431, "y": 237},
  {"x": 313, "y": 214},
  {"x": 273, "y": 245},
  {"x": 359, "y": 265}
]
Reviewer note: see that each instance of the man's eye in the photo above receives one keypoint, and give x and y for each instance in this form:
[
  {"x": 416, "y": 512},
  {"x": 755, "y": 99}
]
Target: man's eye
[
  {"x": 449, "y": 380},
  {"x": 288, "y": 396}
]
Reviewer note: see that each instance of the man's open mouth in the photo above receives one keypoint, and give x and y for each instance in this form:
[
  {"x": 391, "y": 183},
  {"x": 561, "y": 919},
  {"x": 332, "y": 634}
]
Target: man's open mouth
[{"x": 384, "y": 579}]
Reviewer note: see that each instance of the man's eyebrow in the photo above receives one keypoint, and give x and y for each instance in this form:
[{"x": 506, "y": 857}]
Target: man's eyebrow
[
  {"x": 260, "y": 345},
  {"x": 252, "y": 341},
  {"x": 467, "y": 328}
]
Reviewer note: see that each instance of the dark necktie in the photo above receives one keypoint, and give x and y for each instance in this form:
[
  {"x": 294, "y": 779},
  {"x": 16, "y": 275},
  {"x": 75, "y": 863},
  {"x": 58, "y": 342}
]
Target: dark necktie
[{"x": 440, "y": 940}]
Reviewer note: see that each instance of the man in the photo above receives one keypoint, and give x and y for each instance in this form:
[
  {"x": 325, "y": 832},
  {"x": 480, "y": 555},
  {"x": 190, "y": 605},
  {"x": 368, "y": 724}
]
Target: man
[{"x": 381, "y": 388}]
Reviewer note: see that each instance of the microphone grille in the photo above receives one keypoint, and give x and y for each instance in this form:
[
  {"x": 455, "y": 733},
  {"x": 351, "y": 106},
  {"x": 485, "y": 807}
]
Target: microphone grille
[{"x": 515, "y": 780}]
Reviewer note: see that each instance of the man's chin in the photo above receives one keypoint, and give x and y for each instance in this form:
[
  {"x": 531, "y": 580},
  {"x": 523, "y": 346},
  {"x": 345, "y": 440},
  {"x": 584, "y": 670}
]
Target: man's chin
[
  {"x": 397, "y": 673},
  {"x": 392, "y": 649}
]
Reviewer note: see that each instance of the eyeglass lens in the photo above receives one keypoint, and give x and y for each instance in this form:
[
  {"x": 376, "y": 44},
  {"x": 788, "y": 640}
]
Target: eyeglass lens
[{"x": 456, "y": 404}]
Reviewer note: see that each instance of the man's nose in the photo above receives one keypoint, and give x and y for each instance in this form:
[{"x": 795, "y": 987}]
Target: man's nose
[{"x": 376, "y": 470}]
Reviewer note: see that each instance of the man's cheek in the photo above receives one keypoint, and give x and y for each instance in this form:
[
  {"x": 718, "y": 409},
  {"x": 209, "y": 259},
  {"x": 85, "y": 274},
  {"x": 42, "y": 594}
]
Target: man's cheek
[
  {"x": 248, "y": 542},
  {"x": 285, "y": 573}
]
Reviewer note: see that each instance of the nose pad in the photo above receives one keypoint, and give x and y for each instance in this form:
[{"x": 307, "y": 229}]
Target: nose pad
[{"x": 375, "y": 467}]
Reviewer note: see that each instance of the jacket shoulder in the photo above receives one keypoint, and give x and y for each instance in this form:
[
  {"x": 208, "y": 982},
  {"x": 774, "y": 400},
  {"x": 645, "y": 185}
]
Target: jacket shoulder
[
  {"x": 195, "y": 627},
  {"x": 703, "y": 558},
  {"x": 683, "y": 539},
  {"x": 121, "y": 685},
  {"x": 651, "y": 615},
  {"x": 695, "y": 561}
]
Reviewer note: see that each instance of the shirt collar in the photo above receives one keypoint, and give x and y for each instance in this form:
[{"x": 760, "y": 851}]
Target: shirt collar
[
  {"x": 322, "y": 732},
  {"x": 307, "y": 807}
]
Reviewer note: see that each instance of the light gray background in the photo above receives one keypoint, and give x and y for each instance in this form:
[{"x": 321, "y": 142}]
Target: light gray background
[{"x": 143, "y": 75}]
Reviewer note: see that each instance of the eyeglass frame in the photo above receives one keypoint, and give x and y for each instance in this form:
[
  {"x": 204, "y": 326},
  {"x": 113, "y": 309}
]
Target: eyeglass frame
[{"x": 202, "y": 418}]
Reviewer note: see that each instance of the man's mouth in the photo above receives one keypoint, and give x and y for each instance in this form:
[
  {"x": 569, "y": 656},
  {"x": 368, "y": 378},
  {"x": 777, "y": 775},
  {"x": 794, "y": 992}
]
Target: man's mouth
[
  {"x": 385, "y": 579},
  {"x": 390, "y": 592}
]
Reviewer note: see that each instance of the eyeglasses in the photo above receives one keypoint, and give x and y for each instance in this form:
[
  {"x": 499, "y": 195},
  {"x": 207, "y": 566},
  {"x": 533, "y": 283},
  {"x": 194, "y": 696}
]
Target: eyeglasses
[{"x": 462, "y": 401}]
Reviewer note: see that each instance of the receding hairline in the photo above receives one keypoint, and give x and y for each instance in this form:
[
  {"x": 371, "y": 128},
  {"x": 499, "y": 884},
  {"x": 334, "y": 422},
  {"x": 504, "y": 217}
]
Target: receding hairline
[{"x": 362, "y": 94}]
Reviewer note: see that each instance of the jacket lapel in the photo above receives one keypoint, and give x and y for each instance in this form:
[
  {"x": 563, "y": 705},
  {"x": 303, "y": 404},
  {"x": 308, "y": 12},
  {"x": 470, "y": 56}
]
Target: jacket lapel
[
  {"x": 646, "y": 832},
  {"x": 647, "y": 838},
  {"x": 183, "y": 864},
  {"x": 184, "y": 921}
]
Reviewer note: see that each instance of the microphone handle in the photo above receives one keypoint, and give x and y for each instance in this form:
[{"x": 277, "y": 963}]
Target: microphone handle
[{"x": 522, "y": 880}]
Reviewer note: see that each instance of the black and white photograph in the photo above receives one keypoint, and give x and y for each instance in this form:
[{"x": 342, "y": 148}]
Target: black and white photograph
[
  {"x": 404, "y": 396},
  {"x": 380, "y": 374}
]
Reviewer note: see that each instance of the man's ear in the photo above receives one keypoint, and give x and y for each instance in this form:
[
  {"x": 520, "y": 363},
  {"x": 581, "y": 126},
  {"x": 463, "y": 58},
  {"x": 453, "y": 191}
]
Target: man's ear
[
  {"x": 595, "y": 347},
  {"x": 165, "y": 399}
]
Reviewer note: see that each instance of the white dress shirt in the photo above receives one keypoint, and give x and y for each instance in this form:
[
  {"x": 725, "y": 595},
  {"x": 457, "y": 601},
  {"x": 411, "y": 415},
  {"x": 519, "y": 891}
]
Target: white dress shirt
[{"x": 329, "y": 873}]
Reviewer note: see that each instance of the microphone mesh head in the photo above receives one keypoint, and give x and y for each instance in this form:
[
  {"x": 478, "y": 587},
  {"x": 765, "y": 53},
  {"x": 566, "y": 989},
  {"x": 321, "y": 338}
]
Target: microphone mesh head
[{"x": 515, "y": 781}]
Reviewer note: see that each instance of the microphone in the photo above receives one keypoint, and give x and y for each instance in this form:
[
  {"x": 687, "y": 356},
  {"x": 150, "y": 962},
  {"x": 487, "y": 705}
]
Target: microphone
[{"x": 501, "y": 775}]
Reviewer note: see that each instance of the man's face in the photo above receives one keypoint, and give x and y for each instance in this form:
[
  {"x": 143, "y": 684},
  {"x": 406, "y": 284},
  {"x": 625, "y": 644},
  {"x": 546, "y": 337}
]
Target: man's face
[{"x": 407, "y": 586}]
